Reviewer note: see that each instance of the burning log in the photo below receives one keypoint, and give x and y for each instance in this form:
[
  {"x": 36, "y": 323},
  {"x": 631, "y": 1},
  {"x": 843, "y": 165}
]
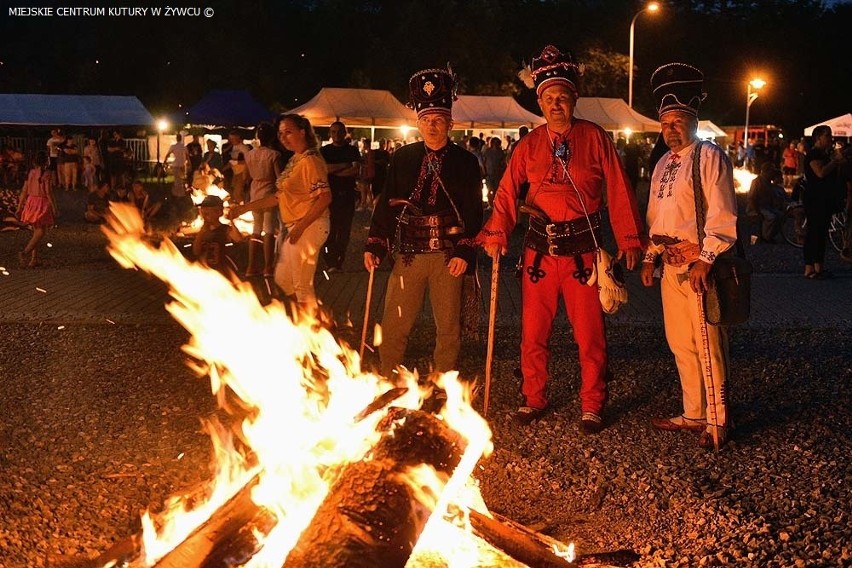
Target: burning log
[
  {"x": 517, "y": 541},
  {"x": 226, "y": 526},
  {"x": 370, "y": 517},
  {"x": 536, "y": 549}
]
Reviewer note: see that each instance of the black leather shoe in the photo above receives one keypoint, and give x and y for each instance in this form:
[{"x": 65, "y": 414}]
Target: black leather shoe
[
  {"x": 591, "y": 423},
  {"x": 526, "y": 414}
]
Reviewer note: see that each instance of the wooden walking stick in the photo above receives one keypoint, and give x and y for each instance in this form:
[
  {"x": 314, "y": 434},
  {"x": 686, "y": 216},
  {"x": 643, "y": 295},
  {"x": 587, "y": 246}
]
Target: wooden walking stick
[
  {"x": 707, "y": 370},
  {"x": 366, "y": 314},
  {"x": 492, "y": 318}
]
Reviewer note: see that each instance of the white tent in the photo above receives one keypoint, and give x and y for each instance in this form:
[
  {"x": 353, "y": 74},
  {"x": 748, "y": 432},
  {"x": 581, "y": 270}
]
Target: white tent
[
  {"x": 356, "y": 108},
  {"x": 706, "y": 129},
  {"x": 840, "y": 126},
  {"x": 613, "y": 115},
  {"x": 475, "y": 112}
]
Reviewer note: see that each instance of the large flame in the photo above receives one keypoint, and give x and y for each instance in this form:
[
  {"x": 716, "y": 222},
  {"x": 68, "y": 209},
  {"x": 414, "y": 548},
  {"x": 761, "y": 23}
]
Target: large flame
[
  {"x": 244, "y": 222},
  {"x": 742, "y": 180},
  {"x": 292, "y": 376}
]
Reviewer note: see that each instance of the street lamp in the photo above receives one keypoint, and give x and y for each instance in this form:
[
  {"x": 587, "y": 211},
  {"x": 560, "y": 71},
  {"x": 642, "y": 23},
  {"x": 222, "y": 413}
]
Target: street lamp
[
  {"x": 755, "y": 84},
  {"x": 650, "y": 7},
  {"x": 162, "y": 126}
]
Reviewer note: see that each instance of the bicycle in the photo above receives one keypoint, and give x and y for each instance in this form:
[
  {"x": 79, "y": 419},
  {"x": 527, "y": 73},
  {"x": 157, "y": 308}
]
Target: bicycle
[{"x": 795, "y": 226}]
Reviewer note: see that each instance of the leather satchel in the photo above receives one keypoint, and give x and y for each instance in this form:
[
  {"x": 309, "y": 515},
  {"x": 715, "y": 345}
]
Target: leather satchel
[{"x": 727, "y": 300}]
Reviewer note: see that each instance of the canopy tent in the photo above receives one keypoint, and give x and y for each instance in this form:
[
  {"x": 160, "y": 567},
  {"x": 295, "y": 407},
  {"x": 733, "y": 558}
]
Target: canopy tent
[
  {"x": 73, "y": 110},
  {"x": 613, "y": 114},
  {"x": 225, "y": 108},
  {"x": 840, "y": 126},
  {"x": 706, "y": 129},
  {"x": 474, "y": 112},
  {"x": 356, "y": 108}
]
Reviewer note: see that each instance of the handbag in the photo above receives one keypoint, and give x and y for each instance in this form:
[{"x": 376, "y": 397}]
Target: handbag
[
  {"x": 727, "y": 300},
  {"x": 609, "y": 277}
]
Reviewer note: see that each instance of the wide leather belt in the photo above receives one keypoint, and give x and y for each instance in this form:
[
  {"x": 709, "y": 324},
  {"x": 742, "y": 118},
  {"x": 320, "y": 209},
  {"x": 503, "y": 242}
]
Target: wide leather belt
[
  {"x": 565, "y": 238},
  {"x": 427, "y": 233},
  {"x": 438, "y": 220},
  {"x": 425, "y": 245}
]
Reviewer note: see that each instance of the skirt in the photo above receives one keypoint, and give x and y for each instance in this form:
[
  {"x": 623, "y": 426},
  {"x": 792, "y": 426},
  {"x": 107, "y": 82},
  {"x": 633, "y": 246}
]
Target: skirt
[{"x": 37, "y": 212}]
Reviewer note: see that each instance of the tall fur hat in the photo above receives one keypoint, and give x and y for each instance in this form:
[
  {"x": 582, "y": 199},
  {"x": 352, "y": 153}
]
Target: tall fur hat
[{"x": 678, "y": 86}]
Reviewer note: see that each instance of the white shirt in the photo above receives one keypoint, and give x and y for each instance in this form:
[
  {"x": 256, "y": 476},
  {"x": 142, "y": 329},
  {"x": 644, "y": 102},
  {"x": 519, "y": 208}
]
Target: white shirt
[
  {"x": 671, "y": 202},
  {"x": 178, "y": 150}
]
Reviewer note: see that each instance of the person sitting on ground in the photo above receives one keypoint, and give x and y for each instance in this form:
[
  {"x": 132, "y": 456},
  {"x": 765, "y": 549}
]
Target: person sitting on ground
[
  {"x": 766, "y": 202},
  {"x": 97, "y": 204},
  {"x": 209, "y": 246},
  {"x": 119, "y": 195},
  {"x": 154, "y": 211},
  {"x": 137, "y": 195},
  {"x": 37, "y": 207},
  {"x": 204, "y": 176},
  {"x": 12, "y": 165}
]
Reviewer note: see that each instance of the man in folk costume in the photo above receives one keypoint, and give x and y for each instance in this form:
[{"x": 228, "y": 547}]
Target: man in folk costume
[
  {"x": 700, "y": 350},
  {"x": 567, "y": 162},
  {"x": 427, "y": 217}
]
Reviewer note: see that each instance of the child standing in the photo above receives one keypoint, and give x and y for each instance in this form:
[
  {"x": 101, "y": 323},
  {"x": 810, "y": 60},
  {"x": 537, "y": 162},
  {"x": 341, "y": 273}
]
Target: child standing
[
  {"x": 209, "y": 244},
  {"x": 36, "y": 207},
  {"x": 89, "y": 174}
]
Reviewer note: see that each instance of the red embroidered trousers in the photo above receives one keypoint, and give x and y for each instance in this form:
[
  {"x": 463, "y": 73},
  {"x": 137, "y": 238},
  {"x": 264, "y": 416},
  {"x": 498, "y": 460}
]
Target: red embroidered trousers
[{"x": 540, "y": 301}]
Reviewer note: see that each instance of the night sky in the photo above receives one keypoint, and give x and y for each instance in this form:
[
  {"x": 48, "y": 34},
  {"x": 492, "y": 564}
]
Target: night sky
[{"x": 284, "y": 52}]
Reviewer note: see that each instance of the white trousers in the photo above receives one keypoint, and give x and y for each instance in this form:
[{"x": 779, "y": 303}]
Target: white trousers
[
  {"x": 297, "y": 263},
  {"x": 700, "y": 351}
]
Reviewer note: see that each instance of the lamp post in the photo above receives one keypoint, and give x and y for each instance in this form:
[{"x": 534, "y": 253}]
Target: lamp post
[
  {"x": 755, "y": 84},
  {"x": 162, "y": 125},
  {"x": 650, "y": 7}
]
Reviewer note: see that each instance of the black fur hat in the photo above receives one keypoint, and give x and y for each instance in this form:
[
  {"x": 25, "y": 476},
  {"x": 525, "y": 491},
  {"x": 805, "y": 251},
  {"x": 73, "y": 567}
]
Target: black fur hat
[{"x": 678, "y": 86}]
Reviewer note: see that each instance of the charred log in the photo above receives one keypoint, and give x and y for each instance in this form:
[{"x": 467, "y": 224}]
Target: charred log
[
  {"x": 370, "y": 517},
  {"x": 517, "y": 541},
  {"x": 535, "y": 549}
]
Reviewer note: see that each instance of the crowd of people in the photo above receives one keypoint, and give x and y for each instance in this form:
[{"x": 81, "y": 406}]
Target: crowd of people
[
  {"x": 428, "y": 221},
  {"x": 818, "y": 177}
]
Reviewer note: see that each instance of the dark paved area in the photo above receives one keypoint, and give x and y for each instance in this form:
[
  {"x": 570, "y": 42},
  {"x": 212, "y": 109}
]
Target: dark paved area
[{"x": 72, "y": 295}]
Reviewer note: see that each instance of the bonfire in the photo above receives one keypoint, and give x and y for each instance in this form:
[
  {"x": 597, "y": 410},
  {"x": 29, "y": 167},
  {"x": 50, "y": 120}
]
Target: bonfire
[{"x": 327, "y": 465}]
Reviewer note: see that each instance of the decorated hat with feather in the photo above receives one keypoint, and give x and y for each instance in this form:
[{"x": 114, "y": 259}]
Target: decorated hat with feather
[
  {"x": 552, "y": 67},
  {"x": 432, "y": 91}
]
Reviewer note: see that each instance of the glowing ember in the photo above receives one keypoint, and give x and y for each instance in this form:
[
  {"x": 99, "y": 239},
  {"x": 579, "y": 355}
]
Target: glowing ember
[
  {"x": 742, "y": 180},
  {"x": 294, "y": 377}
]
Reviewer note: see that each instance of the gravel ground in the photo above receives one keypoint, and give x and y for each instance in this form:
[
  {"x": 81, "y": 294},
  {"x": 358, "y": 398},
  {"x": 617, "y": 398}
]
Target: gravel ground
[{"x": 98, "y": 422}]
